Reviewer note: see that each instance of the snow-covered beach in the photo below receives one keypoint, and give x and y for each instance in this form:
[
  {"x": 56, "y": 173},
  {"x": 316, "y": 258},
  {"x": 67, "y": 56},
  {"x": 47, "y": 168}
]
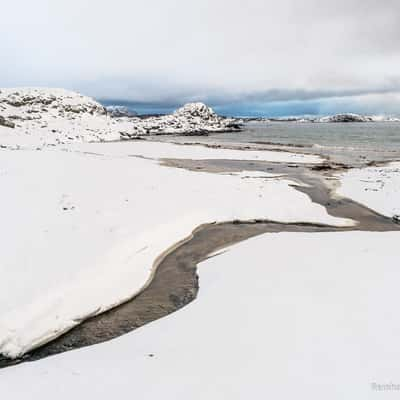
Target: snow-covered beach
[
  {"x": 270, "y": 325},
  {"x": 85, "y": 224}
]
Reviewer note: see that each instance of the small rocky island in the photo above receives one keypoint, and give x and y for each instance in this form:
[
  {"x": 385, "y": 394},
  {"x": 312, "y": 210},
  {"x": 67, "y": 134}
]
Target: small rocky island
[
  {"x": 336, "y": 118},
  {"x": 348, "y": 117}
]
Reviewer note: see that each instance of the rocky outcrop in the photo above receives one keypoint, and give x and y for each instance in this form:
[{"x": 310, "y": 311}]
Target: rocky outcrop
[
  {"x": 191, "y": 119},
  {"x": 55, "y": 116},
  {"x": 36, "y": 100},
  {"x": 6, "y": 123},
  {"x": 346, "y": 118},
  {"x": 120, "y": 111}
]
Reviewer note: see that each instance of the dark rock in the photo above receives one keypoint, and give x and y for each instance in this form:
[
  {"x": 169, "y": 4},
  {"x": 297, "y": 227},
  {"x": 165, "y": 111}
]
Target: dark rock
[{"x": 6, "y": 123}]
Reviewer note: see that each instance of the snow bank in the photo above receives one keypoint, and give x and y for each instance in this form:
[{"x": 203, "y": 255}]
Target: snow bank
[
  {"x": 317, "y": 321},
  {"x": 80, "y": 232},
  {"x": 376, "y": 187},
  {"x": 156, "y": 150}
]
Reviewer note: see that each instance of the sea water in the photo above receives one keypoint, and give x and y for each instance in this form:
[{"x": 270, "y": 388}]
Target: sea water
[{"x": 350, "y": 143}]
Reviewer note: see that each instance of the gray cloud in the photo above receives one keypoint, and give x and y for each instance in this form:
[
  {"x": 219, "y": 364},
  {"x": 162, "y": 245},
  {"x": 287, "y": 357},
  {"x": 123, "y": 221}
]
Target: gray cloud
[{"x": 179, "y": 50}]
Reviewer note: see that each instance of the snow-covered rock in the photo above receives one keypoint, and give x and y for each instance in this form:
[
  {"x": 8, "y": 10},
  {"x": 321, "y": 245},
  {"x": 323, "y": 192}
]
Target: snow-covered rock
[
  {"x": 120, "y": 111},
  {"x": 348, "y": 117},
  {"x": 6, "y": 123},
  {"x": 36, "y": 100},
  {"x": 384, "y": 118},
  {"x": 56, "y": 116},
  {"x": 53, "y": 116},
  {"x": 200, "y": 110},
  {"x": 191, "y": 119}
]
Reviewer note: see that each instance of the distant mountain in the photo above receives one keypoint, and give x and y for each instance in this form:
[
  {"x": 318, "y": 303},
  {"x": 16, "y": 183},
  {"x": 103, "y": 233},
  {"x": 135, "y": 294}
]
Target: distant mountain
[
  {"x": 357, "y": 118},
  {"x": 337, "y": 118}
]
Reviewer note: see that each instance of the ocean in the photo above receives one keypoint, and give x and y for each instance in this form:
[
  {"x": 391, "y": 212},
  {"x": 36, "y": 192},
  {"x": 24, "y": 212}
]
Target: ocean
[{"x": 350, "y": 143}]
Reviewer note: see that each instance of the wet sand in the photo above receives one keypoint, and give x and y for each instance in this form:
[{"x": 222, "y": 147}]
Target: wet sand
[{"x": 175, "y": 282}]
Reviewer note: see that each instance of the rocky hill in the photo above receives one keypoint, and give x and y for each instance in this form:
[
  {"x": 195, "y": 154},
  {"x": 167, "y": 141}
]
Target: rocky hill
[
  {"x": 54, "y": 116},
  {"x": 191, "y": 119}
]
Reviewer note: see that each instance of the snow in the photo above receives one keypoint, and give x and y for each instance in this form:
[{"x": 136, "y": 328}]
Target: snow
[
  {"x": 376, "y": 187},
  {"x": 323, "y": 324},
  {"x": 57, "y": 116},
  {"x": 156, "y": 150},
  {"x": 384, "y": 118},
  {"x": 45, "y": 117},
  {"x": 192, "y": 118},
  {"x": 348, "y": 117},
  {"x": 84, "y": 225},
  {"x": 120, "y": 111},
  {"x": 80, "y": 232}
]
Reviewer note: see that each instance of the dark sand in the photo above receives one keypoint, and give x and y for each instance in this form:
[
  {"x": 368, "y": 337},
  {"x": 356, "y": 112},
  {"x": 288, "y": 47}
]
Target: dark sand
[{"x": 175, "y": 281}]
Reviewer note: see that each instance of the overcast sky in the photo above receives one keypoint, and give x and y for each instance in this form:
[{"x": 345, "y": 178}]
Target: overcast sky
[{"x": 277, "y": 57}]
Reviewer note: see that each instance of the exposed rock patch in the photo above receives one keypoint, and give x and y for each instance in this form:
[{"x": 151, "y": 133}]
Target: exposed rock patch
[{"x": 6, "y": 123}]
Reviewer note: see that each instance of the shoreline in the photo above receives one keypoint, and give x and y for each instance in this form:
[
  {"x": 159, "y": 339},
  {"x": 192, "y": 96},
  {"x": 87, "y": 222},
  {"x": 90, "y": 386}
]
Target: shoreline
[
  {"x": 174, "y": 280},
  {"x": 331, "y": 153},
  {"x": 140, "y": 236}
]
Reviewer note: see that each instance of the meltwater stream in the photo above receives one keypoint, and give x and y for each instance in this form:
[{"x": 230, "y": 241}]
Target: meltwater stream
[{"x": 175, "y": 282}]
